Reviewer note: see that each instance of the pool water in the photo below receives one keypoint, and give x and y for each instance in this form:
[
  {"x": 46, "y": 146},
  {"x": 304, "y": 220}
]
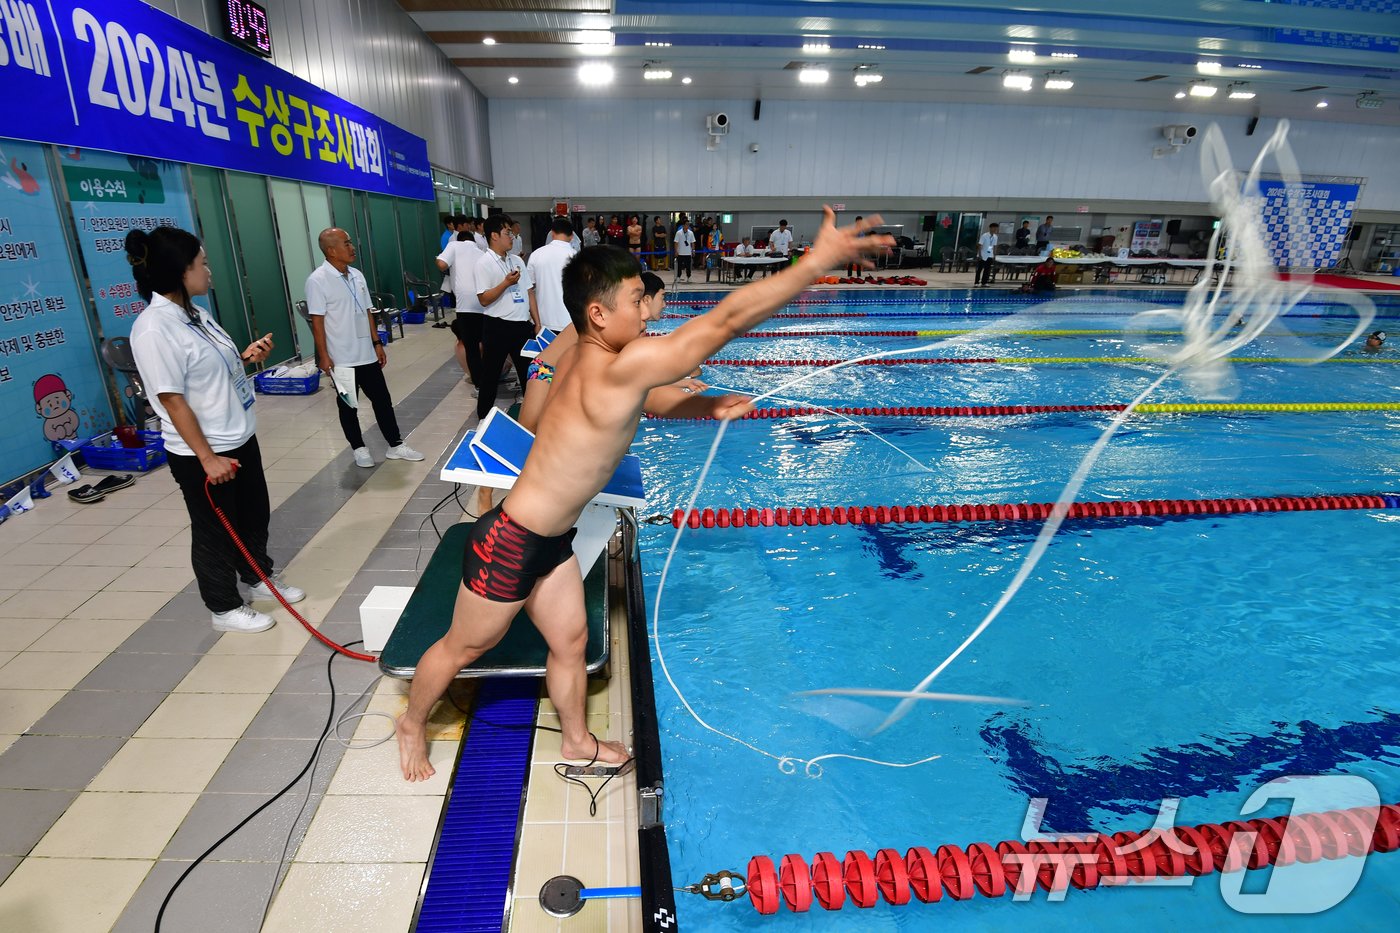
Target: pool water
[{"x": 1191, "y": 658}]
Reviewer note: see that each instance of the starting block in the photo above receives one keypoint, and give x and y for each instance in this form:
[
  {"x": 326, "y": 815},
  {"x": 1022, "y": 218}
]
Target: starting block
[{"x": 491, "y": 456}]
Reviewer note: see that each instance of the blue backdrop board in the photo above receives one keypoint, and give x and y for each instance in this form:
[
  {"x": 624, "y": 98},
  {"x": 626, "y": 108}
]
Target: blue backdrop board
[
  {"x": 51, "y": 387},
  {"x": 1322, "y": 214},
  {"x": 110, "y": 195},
  {"x": 120, "y": 75}
]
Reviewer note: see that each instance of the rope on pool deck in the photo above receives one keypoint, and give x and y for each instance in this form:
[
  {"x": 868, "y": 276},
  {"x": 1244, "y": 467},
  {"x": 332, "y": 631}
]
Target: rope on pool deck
[
  {"x": 1026, "y": 511},
  {"x": 1028, "y": 361},
  {"x": 985, "y": 411},
  {"x": 956, "y": 332}
]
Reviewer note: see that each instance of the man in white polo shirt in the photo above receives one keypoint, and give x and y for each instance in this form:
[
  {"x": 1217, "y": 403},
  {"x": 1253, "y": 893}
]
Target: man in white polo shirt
[
  {"x": 546, "y": 267},
  {"x": 342, "y": 320},
  {"x": 458, "y": 259},
  {"x": 507, "y": 295},
  {"x": 780, "y": 240}
]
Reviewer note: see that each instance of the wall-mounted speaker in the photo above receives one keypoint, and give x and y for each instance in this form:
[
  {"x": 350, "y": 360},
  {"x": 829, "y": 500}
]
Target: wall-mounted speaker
[
  {"x": 930, "y": 223},
  {"x": 757, "y": 106},
  {"x": 1249, "y": 129},
  {"x": 1174, "y": 227},
  {"x": 1354, "y": 233}
]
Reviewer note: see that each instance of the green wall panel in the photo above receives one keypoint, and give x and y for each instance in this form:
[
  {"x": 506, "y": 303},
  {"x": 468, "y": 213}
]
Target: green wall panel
[
  {"x": 226, "y": 300},
  {"x": 263, "y": 281},
  {"x": 384, "y": 245}
]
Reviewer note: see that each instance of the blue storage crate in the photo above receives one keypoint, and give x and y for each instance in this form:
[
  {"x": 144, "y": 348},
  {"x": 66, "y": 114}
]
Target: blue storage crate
[
  {"x": 105, "y": 452},
  {"x": 415, "y": 317},
  {"x": 286, "y": 385}
]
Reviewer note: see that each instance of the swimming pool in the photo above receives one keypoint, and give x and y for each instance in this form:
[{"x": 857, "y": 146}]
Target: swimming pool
[{"x": 1177, "y": 657}]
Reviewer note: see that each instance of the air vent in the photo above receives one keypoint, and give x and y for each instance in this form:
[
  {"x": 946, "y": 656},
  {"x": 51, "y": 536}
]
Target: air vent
[
  {"x": 980, "y": 70},
  {"x": 516, "y": 62},
  {"x": 527, "y": 37},
  {"x": 1315, "y": 87},
  {"x": 506, "y": 6},
  {"x": 1152, "y": 78}
]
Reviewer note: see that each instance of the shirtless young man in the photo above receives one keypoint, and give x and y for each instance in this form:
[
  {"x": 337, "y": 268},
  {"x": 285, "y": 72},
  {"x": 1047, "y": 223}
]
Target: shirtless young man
[{"x": 523, "y": 556}]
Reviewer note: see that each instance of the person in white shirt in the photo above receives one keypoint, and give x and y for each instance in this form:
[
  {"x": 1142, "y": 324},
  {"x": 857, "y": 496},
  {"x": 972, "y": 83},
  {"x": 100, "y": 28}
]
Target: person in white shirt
[
  {"x": 459, "y": 260},
  {"x": 780, "y": 240},
  {"x": 685, "y": 250},
  {"x": 342, "y": 321},
  {"x": 477, "y": 235},
  {"x": 517, "y": 242},
  {"x": 507, "y": 295},
  {"x": 745, "y": 250},
  {"x": 986, "y": 252},
  {"x": 194, "y": 373},
  {"x": 546, "y": 267}
]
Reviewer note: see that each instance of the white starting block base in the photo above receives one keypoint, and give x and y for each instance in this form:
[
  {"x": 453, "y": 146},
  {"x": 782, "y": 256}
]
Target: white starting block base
[{"x": 379, "y": 613}]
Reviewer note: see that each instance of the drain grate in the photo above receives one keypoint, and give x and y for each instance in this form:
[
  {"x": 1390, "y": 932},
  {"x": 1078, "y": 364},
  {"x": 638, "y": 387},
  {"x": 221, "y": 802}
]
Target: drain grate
[{"x": 469, "y": 880}]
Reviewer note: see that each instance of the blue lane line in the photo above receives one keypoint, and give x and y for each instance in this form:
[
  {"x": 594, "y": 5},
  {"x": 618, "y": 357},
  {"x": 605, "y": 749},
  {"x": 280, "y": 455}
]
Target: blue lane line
[
  {"x": 470, "y": 877},
  {"x": 587, "y": 893}
]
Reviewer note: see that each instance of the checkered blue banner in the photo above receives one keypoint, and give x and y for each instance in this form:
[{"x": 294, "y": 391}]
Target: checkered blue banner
[{"x": 1306, "y": 223}]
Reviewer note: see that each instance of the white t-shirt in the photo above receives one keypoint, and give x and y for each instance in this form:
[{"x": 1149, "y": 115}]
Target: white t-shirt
[
  {"x": 745, "y": 249},
  {"x": 203, "y": 365},
  {"x": 546, "y": 267},
  {"x": 517, "y": 244},
  {"x": 343, "y": 300},
  {"x": 461, "y": 257},
  {"x": 685, "y": 241},
  {"x": 989, "y": 245},
  {"x": 780, "y": 241},
  {"x": 514, "y": 303}
]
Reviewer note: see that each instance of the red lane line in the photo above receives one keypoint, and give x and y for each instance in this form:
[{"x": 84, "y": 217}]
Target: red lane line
[
  {"x": 920, "y": 411},
  {"x": 895, "y": 361},
  {"x": 1025, "y": 511}
]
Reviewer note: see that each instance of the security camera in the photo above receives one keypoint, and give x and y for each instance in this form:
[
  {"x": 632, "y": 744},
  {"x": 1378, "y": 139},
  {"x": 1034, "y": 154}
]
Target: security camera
[
  {"x": 717, "y": 124},
  {"x": 1179, "y": 134},
  {"x": 753, "y": 147}
]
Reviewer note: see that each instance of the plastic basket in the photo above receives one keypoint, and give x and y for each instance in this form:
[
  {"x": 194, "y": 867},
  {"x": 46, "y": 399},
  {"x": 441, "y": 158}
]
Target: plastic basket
[
  {"x": 415, "y": 317},
  {"x": 287, "y": 385},
  {"x": 105, "y": 453}
]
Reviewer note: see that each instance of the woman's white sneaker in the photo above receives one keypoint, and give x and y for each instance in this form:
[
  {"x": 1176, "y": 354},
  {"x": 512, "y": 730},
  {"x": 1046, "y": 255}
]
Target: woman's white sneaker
[
  {"x": 292, "y": 594},
  {"x": 402, "y": 452},
  {"x": 243, "y": 619}
]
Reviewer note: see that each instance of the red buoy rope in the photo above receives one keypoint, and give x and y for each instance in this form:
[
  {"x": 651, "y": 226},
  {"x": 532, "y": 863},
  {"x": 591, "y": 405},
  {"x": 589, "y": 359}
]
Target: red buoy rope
[
  {"x": 883, "y": 361},
  {"x": 916, "y": 411},
  {"x": 784, "y": 516},
  {"x": 243, "y": 549},
  {"x": 1054, "y": 865}
]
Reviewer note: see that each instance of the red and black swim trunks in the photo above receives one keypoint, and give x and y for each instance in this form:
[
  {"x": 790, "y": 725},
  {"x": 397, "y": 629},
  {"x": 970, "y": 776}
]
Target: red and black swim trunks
[{"x": 504, "y": 559}]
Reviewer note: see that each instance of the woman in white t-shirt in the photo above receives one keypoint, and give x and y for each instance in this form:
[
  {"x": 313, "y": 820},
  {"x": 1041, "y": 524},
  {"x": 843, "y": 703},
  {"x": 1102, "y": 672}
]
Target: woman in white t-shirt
[{"x": 194, "y": 373}]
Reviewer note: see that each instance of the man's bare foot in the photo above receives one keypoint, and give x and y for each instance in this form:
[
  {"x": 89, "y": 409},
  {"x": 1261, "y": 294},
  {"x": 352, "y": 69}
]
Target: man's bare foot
[
  {"x": 594, "y": 749},
  {"x": 413, "y": 750}
]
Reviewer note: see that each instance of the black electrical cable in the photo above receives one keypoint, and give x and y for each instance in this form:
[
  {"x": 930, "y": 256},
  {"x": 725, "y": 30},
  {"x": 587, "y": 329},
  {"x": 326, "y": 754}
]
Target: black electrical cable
[{"x": 325, "y": 731}]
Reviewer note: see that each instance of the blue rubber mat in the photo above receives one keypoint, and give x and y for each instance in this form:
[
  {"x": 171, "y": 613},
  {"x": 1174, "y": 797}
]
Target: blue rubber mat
[{"x": 470, "y": 875}]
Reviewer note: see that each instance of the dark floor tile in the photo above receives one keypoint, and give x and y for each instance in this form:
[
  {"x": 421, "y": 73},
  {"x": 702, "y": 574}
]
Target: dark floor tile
[
  {"x": 291, "y": 716},
  {"x": 366, "y": 580},
  {"x": 99, "y": 712},
  {"x": 28, "y": 815},
  {"x": 186, "y": 606},
  {"x": 192, "y": 636},
  {"x": 308, "y": 674},
  {"x": 139, "y": 672},
  {"x": 262, "y": 838},
  {"x": 53, "y": 762},
  {"x": 395, "y": 558},
  {"x": 263, "y": 766},
  {"x": 406, "y": 537},
  {"x": 217, "y": 897}
]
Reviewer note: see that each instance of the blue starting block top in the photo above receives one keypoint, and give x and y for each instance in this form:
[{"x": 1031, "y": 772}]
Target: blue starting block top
[{"x": 493, "y": 454}]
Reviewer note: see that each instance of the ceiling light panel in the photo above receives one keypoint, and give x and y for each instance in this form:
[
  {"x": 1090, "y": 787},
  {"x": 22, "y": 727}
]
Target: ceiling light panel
[
  {"x": 595, "y": 74},
  {"x": 813, "y": 75},
  {"x": 1016, "y": 81},
  {"x": 1021, "y": 53}
]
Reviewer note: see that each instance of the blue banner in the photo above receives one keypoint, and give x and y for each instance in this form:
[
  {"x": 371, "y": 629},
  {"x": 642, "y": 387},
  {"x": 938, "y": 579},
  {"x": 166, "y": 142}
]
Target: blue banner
[
  {"x": 111, "y": 194},
  {"x": 122, "y": 76},
  {"x": 51, "y": 387},
  {"x": 1305, "y": 223}
]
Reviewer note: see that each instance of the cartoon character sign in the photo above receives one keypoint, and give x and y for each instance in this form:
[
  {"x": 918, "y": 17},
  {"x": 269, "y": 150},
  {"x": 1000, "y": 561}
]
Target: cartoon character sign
[{"x": 54, "y": 403}]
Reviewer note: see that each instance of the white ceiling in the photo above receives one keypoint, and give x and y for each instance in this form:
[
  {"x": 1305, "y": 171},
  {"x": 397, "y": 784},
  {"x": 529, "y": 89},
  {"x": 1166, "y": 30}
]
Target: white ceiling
[{"x": 746, "y": 50}]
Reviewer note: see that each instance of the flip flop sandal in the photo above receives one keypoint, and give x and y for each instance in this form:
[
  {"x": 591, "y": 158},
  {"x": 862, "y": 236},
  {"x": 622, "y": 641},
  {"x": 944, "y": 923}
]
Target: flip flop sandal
[
  {"x": 86, "y": 494},
  {"x": 112, "y": 483}
]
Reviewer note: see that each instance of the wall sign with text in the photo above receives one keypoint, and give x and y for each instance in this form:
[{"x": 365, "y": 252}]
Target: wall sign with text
[{"x": 119, "y": 75}]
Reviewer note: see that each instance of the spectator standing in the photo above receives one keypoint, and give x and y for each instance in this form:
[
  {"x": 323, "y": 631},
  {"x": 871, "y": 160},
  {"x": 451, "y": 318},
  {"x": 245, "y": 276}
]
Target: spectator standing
[
  {"x": 854, "y": 270},
  {"x": 1023, "y": 235},
  {"x": 986, "y": 255},
  {"x": 716, "y": 250},
  {"x": 342, "y": 321},
  {"x": 634, "y": 237},
  {"x": 449, "y": 221},
  {"x": 507, "y": 295},
  {"x": 590, "y": 235},
  {"x": 685, "y": 250},
  {"x": 659, "y": 240},
  {"x": 1043, "y": 233},
  {"x": 194, "y": 373},
  {"x": 458, "y": 260},
  {"x": 517, "y": 242},
  {"x": 615, "y": 232},
  {"x": 546, "y": 268},
  {"x": 780, "y": 240}
]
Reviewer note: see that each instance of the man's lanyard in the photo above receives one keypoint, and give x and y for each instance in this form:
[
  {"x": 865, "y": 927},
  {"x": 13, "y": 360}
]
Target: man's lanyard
[{"x": 354, "y": 299}]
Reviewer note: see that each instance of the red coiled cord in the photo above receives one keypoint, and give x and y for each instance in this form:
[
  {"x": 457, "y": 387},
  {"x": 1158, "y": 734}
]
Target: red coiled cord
[
  {"x": 1053, "y": 865},
  {"x": 243, "y": 549}
]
